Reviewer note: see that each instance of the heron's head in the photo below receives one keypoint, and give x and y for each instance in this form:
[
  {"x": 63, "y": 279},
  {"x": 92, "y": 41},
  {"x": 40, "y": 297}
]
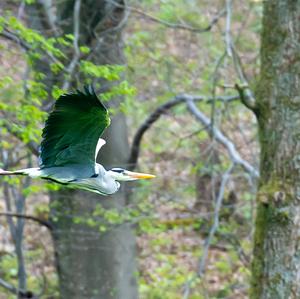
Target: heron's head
[{"x": 120, "y": 174}]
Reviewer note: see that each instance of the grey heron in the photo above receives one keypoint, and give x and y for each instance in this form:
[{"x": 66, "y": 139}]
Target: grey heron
[{"x": 70, "y": 145}]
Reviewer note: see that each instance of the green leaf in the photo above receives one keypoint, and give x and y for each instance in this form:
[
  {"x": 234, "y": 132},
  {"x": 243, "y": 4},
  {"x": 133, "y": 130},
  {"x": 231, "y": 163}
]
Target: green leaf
[{"x": 84, "y": 50}]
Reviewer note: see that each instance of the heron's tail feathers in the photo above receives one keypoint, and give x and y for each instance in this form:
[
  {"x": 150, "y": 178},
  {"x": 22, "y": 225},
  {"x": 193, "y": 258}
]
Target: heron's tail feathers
[
  {"x": 5, "y": 172},
  {"x": 32, "y": 172}
]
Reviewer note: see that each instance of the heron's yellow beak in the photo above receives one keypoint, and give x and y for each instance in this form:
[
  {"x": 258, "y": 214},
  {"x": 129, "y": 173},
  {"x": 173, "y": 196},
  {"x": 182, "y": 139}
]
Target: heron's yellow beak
[{"x": 139, "y": 176}]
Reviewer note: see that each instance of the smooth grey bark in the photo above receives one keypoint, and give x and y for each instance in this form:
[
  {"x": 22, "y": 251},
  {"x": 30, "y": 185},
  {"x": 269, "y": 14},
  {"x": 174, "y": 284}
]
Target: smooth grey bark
[
  {"x": 276, "y": 261},
  {"x": 93, "y": 264}
]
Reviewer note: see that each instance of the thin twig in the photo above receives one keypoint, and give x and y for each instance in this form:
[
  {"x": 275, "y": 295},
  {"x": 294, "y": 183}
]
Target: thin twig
[
  {"x": 214, "y": 86},
  {"x": 110, "y": 24},
  {"x": 213, "y": 229},
  {"x": 227, "y": 30},
  {"x": 21, "y": 9},
  {"x": 179, "y": 25},
  {"x": 215, "y": 225},
  {"x": 19, "y": 200},
  {"x": 246, "y": 94},
  {"x": 115, "y": 24},
  {"x": 243, "y": 89}
]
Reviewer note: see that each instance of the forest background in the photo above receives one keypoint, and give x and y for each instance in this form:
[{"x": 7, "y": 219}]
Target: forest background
[{"x": 175, "y": 72}]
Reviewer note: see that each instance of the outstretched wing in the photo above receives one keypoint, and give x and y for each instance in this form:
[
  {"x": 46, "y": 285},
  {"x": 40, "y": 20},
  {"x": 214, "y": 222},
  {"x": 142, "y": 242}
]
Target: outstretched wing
[{"x": 73, "y": 129}]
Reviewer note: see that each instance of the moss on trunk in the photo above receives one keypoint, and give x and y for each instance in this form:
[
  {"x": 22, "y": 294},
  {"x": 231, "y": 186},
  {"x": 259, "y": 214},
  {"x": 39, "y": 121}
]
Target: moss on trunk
[{"x": 276, "y": 261}]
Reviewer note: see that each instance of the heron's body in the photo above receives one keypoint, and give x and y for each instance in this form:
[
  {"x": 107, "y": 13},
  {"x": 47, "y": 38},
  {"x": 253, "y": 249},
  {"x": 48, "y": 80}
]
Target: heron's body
[
  {"x": 70, "y": 145},
  {"x": 76, "y": 176}
]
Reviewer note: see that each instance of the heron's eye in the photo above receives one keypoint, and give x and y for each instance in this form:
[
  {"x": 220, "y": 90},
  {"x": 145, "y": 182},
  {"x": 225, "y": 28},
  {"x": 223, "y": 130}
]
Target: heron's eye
[{"x": 118, "y": 170}]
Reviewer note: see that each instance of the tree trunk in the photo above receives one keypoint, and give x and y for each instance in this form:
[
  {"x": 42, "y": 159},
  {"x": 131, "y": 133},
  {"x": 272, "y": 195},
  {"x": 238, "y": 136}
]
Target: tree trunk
[
  {"x": 93, "y": 264},
  {"x": 276, "y": 263}
]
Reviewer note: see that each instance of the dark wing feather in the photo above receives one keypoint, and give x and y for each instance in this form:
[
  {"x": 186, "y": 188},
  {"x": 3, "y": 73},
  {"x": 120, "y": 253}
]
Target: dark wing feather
[{"x": 72, "y": 129}]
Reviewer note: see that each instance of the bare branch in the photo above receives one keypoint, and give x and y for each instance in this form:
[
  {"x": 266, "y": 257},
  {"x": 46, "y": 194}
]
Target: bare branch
[
  {"x": 213, "y": 229},
  {"x": 243, "y": 89},
  {"x": 179, "y": 26},
  {"x": 9, "y": 35},
  {"x": 8, "y": 286},
  {"x": 50, "y": 16},
  {"x": 236, "y": 243},
  {"x": 21, "y": 9},
  {"x": 246, "y": 97},
  {"x": 215, "y": 225},
  {"x": 175, "y": 25},
  {"x": 156, "y": 114},
  {"x": 22, "y": 294},
  {"x": 214, "y": 86},
  {"x": 113, "y": 22},
  {"x": 7, "y": 200},
  {"x": 246, "y": 94},
  {"x": 116, "y": 24},
  {"x": 227, "y": 30},
  {"x": 221, "y": 138},
  {"x": 15, "y": 38},
  {"x": 71, "y": 68},
  {"x": 28, "y": 217}
]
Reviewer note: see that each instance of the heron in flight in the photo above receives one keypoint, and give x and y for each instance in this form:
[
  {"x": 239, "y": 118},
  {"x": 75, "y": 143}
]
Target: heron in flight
[{"x": 71, "y": 142}]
